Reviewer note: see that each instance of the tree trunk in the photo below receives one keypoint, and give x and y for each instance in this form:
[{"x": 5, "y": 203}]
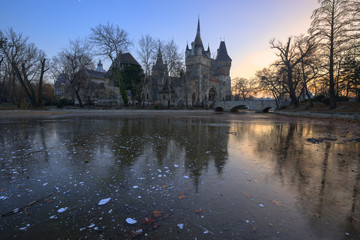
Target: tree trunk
[
  {"x": 79, "y": 98},
  {"x": 22, "y": 83},
  {"x": 294, "y": 100},
  {"x": 331, "y": 62},
  {"x": 29, "y": 87},
  {"x": 41, "y": 82}
]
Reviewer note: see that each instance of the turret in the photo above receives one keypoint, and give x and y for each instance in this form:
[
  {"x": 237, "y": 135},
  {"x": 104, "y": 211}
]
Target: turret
[
  {"x": 223, "y": 60},
  {"x": 100, "y": 67}
]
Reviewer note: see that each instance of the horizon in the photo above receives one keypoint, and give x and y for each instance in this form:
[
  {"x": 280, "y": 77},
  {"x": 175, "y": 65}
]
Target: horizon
[{"x": 246, "y": 27}]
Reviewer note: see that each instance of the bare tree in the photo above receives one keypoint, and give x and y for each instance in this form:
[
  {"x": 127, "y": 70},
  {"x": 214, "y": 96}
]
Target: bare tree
[
  {"x": 147, "y": 52},
  {"x": 25, "y": 66},
  {"x": 333, "y": 24},
  {"x": 243, "y": 88},
  {"x": 110, "y": 40},
  {"x": 70, "y": 64},
  {"x": 268, "y": 81},
  {"x": 289, "y": 58},
  {"x": 173, "y": 58}
]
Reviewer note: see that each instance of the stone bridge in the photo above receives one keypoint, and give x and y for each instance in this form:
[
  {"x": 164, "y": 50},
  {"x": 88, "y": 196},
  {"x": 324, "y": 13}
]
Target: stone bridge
[{"x": 252, "y": 105}]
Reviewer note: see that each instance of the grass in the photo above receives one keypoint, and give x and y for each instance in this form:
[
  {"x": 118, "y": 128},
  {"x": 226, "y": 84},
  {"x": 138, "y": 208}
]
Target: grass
[{"x": 342, "y": 107}]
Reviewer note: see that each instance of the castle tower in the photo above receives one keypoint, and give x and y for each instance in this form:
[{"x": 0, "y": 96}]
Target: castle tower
[
  {"x": 223, "y": 63},
  {"x": 158, "y": 76},
  {"x": 197, "y": 62}
]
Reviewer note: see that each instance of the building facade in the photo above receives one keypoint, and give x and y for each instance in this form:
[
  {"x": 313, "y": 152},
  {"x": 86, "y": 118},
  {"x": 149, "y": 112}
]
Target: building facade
[{"x": 205, "y": 81}]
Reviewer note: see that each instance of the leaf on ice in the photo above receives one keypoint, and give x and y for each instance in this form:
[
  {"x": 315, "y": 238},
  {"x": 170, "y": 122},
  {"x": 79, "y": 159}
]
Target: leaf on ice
[
  {"x": 2, "y": 190},
  {"x": 156, "y": 213},
  {"x": 317, "y": 215},
  {"x": 166, "y": 215},
  {"x": 198, "y": 210},
  {"x": 137, "y": 232},
  {"x": 247, "y": 195},
  {"x": 104, "y": 201},
  {"x": 182, "y": 196},
  {"x": 165, "y": 186},
  {"x": 148, "y": 221},
  {"x": 277, "y": 203}
]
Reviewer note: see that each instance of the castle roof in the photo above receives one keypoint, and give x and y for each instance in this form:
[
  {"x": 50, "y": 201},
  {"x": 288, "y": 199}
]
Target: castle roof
[
  {"x": 95, "y": 74},
  {"x": 198, "y": 42},
  {"x": 222, "y": 54},
  {"x": 126, "y": 58}
]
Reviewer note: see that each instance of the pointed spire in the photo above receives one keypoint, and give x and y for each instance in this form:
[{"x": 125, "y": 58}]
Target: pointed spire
[
  {"x": 159, "y": 65},
  {"x": 159, "y": 52},
  {"x": 198, "y": 43},
  {"x": 198, "y": 26},
  {"x": 187, "y": 46}
]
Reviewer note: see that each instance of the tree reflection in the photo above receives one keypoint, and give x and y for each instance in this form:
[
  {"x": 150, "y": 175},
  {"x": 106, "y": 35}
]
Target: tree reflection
[{"x": 326, "y": 175}]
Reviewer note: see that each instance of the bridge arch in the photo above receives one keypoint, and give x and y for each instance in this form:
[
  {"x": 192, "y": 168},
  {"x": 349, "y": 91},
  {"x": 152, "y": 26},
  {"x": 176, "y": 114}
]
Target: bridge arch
[
  {"x": 266, "y": 110},
  {"x": 239, "y": 107},
  {"x": 219, "y": 109}
]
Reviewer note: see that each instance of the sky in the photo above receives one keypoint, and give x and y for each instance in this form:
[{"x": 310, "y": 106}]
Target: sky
[{"x": 247, "y": 26}]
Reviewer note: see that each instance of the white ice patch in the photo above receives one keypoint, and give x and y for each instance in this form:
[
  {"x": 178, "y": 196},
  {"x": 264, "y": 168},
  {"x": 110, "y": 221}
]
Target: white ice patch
[
  {"x": 180, "y": 225},
  {"x": 131, "y": 221},
  {"x": 186, "y": 176},
  {"x": 91, "y": 225},
  {"x": 175, "y": 165},
  {"x": 135, "y": 187},
  {"x": 3, "y": 197},
  {"x": 104, "y": 201},
  {"x": 24, "y": 228},
  {"x": 261, "y": 205},
  {"x": 45, "y": 184},
  {"x": 62, "y": 209}
]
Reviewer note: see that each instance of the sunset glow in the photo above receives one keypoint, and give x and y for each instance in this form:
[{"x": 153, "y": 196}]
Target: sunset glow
[{"x": 246, "y": 26}]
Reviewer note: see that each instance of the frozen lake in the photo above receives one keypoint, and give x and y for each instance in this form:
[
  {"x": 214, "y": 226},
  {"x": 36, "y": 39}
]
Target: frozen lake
[{"x": 228, "y": 176}]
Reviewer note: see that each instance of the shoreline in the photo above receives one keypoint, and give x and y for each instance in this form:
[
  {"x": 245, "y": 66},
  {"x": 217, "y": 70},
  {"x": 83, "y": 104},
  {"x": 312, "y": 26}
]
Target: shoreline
[
  {"x": 74, "y": 112},
  {"x": 65, "y": 113},
  {"x": 330, "y": 115}
]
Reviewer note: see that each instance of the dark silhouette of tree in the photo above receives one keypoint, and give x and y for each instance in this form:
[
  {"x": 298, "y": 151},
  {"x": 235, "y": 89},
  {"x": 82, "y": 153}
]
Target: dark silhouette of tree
[
  {"x": 26, "y": 65},
  {"x": 243, "y": 88},
  {"x": 110, "y": 40},
  {"x": 289, "y": 58},
  {"x": 268, "y": 81},
  {"x": 333, "y": 26},
  {"x": 71, "y": 63},
  {"x": 147, "y": 52}
]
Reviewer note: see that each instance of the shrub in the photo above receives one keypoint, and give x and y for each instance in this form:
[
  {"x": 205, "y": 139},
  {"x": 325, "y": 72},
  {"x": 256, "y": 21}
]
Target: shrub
[
  {"x": 319, "y": 98},
  {"x": 326, "y": 101}
]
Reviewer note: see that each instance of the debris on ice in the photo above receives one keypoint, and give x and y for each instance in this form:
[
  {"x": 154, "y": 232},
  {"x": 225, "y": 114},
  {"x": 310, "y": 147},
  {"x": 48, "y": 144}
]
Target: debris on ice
[{"x": 104, "y": 201}]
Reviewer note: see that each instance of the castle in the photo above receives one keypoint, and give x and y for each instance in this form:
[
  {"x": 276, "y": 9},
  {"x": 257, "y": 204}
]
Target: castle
[{"x": 206, "y": 79}]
